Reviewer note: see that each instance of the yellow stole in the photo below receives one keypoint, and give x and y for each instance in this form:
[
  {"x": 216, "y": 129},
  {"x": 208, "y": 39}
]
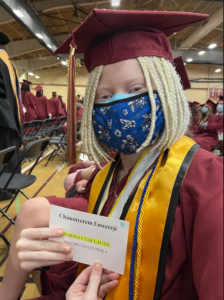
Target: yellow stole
[
  {"x": 13, "y": 77},
  {"x": 158, "y": 220}
]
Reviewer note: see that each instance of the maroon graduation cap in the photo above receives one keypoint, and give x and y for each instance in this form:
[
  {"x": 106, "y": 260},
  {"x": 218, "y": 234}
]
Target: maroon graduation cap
[
  {"x": 110, "y": 36},
  {"x": 27, "y": 82},
  {"x": 211, "y": 104},
  {"x": 38, "y": 88}
]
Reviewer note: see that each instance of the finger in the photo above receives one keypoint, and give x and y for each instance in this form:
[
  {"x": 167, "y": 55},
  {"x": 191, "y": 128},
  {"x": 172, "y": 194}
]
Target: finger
[
  {"x": 94, "y": 281},
  {"x": 44, "y": 245},
  {"x": 32, "y": 265},
  {"x": 44, "y": 256},
  {"x": 106, "y": 288},
  {"x": 83, "y": 278},
  {"x": 109, "y": 277},
  {"x": 41, "y": 233}
]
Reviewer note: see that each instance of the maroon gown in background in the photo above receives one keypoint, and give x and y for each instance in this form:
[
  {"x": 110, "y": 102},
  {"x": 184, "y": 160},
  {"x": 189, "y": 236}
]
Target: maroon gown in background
[
  {"x": 29, "y": 101},
  {"x": 55, "y": 107},
  {"x": 64, "y": 110},
  {"x": 195, "y": 259},
  {"x": 208, "y": 139},
  {"x": 42, "y": 107},
  {"x": 194, "y": 124}
]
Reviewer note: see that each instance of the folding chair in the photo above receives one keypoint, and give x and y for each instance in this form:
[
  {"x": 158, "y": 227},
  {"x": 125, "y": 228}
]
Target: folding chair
[
  {"x": 31, "y": 132},
  {"x": 60, "y": 143},
  {"x": 14, "y": 181},
  {"x": 5, "y": 157},
  {"x": 24, "y": 127}
]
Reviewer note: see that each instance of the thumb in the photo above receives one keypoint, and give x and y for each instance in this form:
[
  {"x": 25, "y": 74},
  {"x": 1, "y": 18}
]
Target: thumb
[{"x": 94, "y": 281}]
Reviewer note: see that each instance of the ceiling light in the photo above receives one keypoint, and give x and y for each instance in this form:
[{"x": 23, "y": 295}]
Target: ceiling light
[
  {"x": 64, "y": 63},
  {"x": 49, "y": 46},
  {"x": 18, "y": 13},
  {"x": 39, "y": 35},
  {"x": 212, "y": 46},
  {"x": 185, "y": 64},
  {"x": 218, "y": 70},
  {"x": 31, "y": 74},
  {"x": 115, "y": 2},
  {"x": 58, "y": 58},
  {"x": 37, "y": 77},
  {"x": 201, "y": 52},
  {"x": 189, "y": 59}
]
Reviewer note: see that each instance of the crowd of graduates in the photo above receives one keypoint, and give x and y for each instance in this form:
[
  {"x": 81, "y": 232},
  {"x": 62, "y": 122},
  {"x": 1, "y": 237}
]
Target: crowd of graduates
[
  {"x": 39, "y": 107},
  {"x": 207, "y": 124}
]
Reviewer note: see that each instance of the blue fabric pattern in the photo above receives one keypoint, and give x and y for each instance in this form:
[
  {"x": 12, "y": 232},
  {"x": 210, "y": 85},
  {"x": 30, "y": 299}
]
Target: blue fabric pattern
[{"x": 123, "y": 125}]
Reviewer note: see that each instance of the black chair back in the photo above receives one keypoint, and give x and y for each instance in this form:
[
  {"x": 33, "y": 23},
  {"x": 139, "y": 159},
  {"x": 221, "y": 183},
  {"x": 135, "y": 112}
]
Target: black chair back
[{"x": 5, "y": 157}]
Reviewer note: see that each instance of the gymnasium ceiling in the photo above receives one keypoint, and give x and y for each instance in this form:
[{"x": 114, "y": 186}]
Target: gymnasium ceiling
[{"x": 58, "y": 18}]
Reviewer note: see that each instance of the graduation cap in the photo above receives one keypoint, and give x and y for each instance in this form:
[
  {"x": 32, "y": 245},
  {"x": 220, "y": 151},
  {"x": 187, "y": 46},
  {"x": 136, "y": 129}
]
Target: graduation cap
[
  {"x": 38, "y": 88},
  {"x": 110, "y": 36},
  {"x": 4, "y": 40},
  {"x": 60, "y": 96},
  {"x": 211, "y": 104},
  {"x": 194, "y": 104},
  {"x": 27, "y": 82}
]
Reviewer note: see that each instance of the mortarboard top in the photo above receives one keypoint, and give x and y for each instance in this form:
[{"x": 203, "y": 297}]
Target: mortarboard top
[
  {"x": 27, "y": 82},
  {"x": 194, "y": 104},
  {"x": 38, "y": 88},
  {"x": 211, "y": 104},
  {"x": 110, "y": 36},
  {"x": 4, "y": 40}
]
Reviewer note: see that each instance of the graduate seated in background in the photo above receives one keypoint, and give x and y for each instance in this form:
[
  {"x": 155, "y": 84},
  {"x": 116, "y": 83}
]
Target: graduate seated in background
[
  {"x": 196, "y": 117},
  {"x": 42, "y": 104},
  {"x": 160, "y": 181},
  {"x": 211, "y": 128},
  {"x": 29, "y": 101}
]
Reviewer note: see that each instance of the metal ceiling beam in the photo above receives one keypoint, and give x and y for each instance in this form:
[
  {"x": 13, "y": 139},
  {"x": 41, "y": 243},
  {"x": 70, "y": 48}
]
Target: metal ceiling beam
[
  {"x": 17, "y": 48},
  {"x": 213, "y": 21},
  {"x": 30, "y": 21}
]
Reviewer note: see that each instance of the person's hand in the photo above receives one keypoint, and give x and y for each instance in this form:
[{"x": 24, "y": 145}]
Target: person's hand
[
  {"x": 50, "y": 116},
  {"x": 204, "y": 126},
  {"x": 36, "y": 251},
  {"x": 88, "y": 163},
  {"x": 79, "y": 146},
  {"x": 92, "y": 284},
  {"x": 80, "y": 186},
  {"x": 86, "y": 173}
]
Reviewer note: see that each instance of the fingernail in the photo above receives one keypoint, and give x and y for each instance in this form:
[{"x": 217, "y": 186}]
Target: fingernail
[
  {"x": 98, "y": 267},
  {"x": 60, "y": 232},
  {"x": 67, "y": 249}
]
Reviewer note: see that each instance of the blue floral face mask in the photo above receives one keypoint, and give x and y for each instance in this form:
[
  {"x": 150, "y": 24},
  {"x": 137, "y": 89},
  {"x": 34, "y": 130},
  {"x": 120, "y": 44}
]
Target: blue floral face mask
[{"x": 123, "y": 123}]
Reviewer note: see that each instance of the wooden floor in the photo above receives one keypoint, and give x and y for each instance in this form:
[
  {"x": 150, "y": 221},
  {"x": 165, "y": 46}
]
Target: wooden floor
[{"x": 49, "y": 182}]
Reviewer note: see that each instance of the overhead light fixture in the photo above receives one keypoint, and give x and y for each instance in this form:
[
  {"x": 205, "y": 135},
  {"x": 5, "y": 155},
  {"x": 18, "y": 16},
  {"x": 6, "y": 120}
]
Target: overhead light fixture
[
  {"x": 49, "y": 46},
  {"x": 218, "y": 70},
  {"x": 31, "y": 74},
  {"x": 201, "y": 52},
  {"x": 64, "y": 63},
  {"x": 189, "y": 59},
  {"x": 18, "y": 13},
  {"x": 58, "y": 58},
  {"x": 115, "y": 2},
  {"x": 39, "y": 36},
  {"x": 185, "y": 64},
  {"x": 37, "y": 77},
  {"x": 212, "y": 46}
]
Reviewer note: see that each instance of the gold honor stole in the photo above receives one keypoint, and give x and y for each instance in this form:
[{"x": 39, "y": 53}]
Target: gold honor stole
[
  {"x": 13, "y": 77},
  {"x": 158, "y": 219}
]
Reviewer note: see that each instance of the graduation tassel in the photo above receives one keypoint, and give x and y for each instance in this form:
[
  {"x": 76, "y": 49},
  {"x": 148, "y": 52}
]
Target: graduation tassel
[{"x": 71, "y": 103}]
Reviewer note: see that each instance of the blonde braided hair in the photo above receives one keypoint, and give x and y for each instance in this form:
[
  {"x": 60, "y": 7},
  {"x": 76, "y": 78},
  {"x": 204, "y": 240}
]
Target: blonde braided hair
[{"x": 174, "y": 104}]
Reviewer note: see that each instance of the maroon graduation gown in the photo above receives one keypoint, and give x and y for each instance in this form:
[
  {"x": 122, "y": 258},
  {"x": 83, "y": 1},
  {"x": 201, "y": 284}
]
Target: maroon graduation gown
[
  {"x": 209, "y": 139},
  {"x": 194, "y": 268},
  {"x": 42, "y": 107},
  {"x": 29, "y": 101},
  {"x": 55, "y": 106}
]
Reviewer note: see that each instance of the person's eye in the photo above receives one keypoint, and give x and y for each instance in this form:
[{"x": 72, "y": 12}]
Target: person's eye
[
  {"x": 103, "y": 97},
  {"x": 136, "y": 89}
]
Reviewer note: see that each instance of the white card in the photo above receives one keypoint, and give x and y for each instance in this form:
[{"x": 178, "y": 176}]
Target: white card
[
  {"x": 93, "y": 238},
  {"x": 220, "y": 136},
  {"x": 83, "y": 157}
]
